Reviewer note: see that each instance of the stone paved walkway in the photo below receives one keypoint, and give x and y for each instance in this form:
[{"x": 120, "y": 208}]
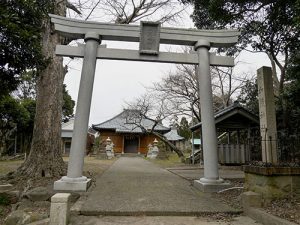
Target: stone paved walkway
[{"x": 134, "y": 186}]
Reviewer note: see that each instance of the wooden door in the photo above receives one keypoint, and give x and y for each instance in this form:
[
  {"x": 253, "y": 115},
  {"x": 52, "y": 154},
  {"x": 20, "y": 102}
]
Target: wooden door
[{"x": 131, "y": 144}]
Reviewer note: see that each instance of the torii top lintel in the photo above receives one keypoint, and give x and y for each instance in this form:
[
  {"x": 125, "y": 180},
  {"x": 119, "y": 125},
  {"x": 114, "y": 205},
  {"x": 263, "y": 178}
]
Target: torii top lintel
[{"x": 77, "y": 29}]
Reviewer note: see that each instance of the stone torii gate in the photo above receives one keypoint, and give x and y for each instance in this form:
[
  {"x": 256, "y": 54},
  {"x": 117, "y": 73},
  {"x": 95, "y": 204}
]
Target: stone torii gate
[{"x": 150, "y": 35}]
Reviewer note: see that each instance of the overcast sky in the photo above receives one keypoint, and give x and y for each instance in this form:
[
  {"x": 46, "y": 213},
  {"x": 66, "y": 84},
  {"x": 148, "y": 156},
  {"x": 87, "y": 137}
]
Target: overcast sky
[{"x": 119, "y": 81}]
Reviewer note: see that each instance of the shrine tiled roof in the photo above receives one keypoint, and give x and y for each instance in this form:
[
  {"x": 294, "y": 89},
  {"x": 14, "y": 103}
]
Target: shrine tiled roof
[{"x": 130, "y": 121}]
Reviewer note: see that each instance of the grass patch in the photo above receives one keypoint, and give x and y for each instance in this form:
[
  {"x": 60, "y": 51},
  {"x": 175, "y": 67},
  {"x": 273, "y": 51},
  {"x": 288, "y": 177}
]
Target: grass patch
[
  {"x": 172, "y": 161},
  {"x": 93, "y": 165},
  {"x": 9, "y": 166},
  {"x": 97, "y": 166},
  {"x": 90, "y": 164}
]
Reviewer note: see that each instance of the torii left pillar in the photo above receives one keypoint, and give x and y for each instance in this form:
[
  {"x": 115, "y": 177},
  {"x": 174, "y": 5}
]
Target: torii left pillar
[{"x": 75, "y": 181}]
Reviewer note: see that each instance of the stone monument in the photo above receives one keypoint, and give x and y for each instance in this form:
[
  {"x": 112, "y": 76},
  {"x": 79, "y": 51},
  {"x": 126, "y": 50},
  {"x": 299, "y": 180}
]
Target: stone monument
[
  {"x": 267, "y": 116},
  {"x": 270, "y": 181}
]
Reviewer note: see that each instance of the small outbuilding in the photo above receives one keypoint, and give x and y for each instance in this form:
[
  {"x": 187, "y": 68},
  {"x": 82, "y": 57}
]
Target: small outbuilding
[
  {"x": 66, "y": 136},
  {"x": 235, "y": 127}
]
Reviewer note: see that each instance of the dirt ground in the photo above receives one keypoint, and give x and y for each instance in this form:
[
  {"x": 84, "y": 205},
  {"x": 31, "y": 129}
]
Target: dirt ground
[
  {"x": 231, "y": 197},
  {"x": 92, "y": 167},
  {"x": 288, "y": 209}
]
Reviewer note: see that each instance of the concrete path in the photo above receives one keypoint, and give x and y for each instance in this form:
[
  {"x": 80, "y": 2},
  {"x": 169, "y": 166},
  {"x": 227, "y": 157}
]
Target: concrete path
[{"x": 134, "y": 186}]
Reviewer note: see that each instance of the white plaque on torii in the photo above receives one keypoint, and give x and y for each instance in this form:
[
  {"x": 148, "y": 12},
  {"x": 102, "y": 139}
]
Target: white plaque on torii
[{"x": 149, "y": 38}]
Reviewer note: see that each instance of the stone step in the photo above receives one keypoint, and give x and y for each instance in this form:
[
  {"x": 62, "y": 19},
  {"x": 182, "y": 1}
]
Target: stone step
[
  {"x": 131, "y": 155},
  {"x": 159, "y": 212}
]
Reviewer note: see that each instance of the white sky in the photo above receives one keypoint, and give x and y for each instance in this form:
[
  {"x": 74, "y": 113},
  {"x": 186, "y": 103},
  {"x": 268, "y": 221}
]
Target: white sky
[{"x": 119, "y": 81}]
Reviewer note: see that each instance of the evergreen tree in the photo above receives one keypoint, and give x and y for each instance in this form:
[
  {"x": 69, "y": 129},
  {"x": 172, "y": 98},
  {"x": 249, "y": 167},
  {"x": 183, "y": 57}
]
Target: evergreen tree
[
  {"x": 68, "y": 103},
  {"x": 249, "y": 96},
  {"x": 184, "y": 129},
  {"x": 20, "y": 38}
]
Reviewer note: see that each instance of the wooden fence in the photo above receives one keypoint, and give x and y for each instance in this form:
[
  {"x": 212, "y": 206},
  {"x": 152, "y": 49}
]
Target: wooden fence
[{"x": 233, "y": 153}]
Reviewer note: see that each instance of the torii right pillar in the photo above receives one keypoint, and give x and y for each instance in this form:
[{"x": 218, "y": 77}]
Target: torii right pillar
[{"x": 211, "y": 182}]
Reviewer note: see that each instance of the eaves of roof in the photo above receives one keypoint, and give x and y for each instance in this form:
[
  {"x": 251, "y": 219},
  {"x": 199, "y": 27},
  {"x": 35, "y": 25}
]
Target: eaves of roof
[{"x": 228, "y": 112}]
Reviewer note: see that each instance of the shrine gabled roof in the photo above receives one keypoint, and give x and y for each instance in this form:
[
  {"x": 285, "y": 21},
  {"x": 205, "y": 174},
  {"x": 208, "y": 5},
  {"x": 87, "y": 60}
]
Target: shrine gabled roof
[
  {"x": 129, "y": 121},
  {"x": 234, "y": 116},
  {"x": 172, "y": 135}
]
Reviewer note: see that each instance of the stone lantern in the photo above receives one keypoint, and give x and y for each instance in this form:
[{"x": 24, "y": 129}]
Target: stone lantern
[{"x": 109, "y": 148}]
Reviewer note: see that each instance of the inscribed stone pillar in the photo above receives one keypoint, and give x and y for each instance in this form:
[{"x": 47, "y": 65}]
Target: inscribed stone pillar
[
  {"x": 60, "y": 209},
  {"x": 211, "y": 181},
  {"x": 74, "y": 181},
  {"x": 267, "y": 116}
]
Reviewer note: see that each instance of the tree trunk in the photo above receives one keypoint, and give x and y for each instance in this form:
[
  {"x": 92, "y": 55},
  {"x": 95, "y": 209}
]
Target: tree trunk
[{"x": 45, "y": 158}]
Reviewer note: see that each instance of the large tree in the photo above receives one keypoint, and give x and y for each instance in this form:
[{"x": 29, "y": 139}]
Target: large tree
[
  {"x": 289, "y": 107},
  {"x": 45, "y": 158}
]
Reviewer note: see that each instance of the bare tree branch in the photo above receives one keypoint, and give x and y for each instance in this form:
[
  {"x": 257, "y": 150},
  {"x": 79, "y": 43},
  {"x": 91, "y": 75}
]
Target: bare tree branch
[
  {"x": 125, "y": 11},
  {"x": 71, "y": 6},
  {"x": 155, "y": 110},
  {"x": 92, "y": 10}
]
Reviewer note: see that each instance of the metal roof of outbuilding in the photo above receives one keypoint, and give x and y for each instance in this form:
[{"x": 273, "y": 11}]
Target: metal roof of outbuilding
[
  {"x": 234, "y": 116},
  {"x": 68, "y": 126}
]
